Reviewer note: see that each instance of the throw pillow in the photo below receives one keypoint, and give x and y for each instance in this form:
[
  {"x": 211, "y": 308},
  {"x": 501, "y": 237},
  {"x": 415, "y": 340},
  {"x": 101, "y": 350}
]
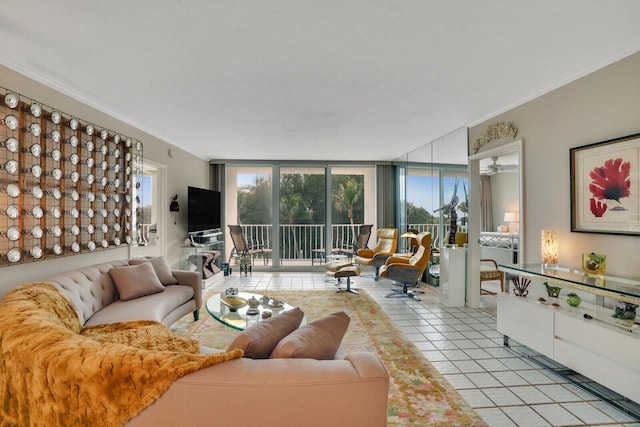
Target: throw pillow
[
  {"x": 319, "y": 339},
  {"x": 136, "y": 281},
  {"x": 161, "y": 268},
  {"x": 258, "y": 341}
]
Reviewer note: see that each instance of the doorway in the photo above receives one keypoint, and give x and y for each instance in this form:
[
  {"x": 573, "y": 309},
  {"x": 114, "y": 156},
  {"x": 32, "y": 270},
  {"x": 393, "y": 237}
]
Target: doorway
[
  {"x": 497, "y": 226},
  {"x": 150, "y": 239}
]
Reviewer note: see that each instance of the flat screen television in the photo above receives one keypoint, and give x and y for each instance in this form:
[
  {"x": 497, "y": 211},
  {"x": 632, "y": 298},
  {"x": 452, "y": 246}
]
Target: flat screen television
[{"x": 203, "y": 210}]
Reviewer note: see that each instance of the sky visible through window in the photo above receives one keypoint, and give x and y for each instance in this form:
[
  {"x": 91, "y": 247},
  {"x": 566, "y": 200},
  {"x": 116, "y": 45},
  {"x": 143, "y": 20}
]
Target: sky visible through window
[
  {"x": 250, "y": 178},
  {"x": 422, "y": 191},
  {"x": 146, "y": 188}
]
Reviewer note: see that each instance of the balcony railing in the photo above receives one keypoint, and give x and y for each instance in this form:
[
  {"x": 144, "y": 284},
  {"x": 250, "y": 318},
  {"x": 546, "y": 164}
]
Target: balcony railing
[{"x": 299, "y": 241}]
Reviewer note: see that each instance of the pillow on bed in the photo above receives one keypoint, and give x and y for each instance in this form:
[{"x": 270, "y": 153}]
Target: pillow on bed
[{"x": 136, "y": 281}]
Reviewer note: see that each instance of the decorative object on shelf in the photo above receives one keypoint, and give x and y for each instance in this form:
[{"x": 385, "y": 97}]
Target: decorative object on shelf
[
  {"x": 552, "y": 291},
  {"x": 549, "y": 248},
  {"x": 573, "y": 299},
  {"x": 594, "y": 264},
  {"x": 46, "y": 154},
  {"x": 496, "y": 131},
  {"x": 520, "y": 285},
  {"x": 625, "y": 310},
  {"x": 602, "y": 179}
]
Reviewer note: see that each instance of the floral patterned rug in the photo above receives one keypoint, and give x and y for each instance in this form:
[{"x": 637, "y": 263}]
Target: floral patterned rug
[{"x": 418, "y": 394}]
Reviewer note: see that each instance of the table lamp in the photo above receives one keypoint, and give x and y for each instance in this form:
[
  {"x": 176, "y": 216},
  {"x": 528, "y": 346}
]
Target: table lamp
[
  {"x": 511, "y": 218},
  {"x": 549, "y": 248}
]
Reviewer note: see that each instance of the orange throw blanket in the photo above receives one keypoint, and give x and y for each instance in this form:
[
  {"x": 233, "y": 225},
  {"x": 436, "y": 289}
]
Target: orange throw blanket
[{"x": 54, "y": 372}]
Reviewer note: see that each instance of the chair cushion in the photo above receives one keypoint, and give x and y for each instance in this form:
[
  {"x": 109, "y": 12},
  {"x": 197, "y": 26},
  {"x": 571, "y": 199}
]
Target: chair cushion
[
  {"x": 258, "y": 341},
  {"x": 491, "y": 274},
  {"x": 136, "y": 281},
  {"x": 319, "y": 339}
]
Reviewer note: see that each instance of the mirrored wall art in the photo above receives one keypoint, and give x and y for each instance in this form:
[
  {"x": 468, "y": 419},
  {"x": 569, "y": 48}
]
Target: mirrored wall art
[{"x": 67, "y": 186}]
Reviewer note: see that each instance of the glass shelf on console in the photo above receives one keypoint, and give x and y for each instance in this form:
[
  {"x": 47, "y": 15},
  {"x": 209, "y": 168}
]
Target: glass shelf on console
[{"x": 606, "y": 286}]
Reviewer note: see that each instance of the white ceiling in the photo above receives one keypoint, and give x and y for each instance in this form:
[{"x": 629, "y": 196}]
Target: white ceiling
[{"x": 305, "y": 79}]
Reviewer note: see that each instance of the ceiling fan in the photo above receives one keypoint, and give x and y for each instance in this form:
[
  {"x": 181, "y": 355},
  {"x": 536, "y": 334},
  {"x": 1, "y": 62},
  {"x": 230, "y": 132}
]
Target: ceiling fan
[{"x": 496, "y": 167}]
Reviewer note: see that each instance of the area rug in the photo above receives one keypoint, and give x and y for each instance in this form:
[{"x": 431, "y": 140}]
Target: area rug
[{"x": 418, "y": 394}]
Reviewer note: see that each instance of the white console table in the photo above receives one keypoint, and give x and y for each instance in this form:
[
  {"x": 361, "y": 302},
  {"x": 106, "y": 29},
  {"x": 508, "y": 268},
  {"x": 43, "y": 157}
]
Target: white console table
[{"x": 602, "y": 348}]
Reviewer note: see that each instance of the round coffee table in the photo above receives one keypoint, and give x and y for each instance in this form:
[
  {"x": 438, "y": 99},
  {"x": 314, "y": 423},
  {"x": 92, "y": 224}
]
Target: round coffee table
[{"x": 237, "y": 319}]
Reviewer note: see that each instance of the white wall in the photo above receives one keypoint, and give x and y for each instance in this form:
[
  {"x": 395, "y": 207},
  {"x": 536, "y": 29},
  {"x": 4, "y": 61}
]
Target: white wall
[
  {"x": 597, "y": 107},
  {"x": 183, "y": 169}
]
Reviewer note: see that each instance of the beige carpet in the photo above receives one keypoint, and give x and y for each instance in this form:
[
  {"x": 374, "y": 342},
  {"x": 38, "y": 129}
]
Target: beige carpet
[{"x": 418, "y": 394}]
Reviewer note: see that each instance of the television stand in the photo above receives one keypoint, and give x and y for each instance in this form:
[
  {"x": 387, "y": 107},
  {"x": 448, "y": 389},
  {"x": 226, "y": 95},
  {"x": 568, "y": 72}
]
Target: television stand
[{"x": 204, "y": 254}]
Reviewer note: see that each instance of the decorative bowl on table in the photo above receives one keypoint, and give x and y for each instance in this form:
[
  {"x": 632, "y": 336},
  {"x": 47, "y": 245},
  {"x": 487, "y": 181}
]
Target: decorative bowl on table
[
  {"x": 573, "y": 299},
  {"x": 233, "y": 302}
]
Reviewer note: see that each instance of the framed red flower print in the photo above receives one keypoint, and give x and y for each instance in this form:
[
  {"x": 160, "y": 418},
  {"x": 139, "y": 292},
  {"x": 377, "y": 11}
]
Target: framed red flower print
[{"x": 605, "y": 185}]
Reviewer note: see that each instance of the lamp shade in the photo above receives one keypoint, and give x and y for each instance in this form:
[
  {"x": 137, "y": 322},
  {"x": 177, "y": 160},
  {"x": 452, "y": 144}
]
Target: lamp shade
[
  {"x": 511, "y": 217},
  {"x": 549, "y": 247}
]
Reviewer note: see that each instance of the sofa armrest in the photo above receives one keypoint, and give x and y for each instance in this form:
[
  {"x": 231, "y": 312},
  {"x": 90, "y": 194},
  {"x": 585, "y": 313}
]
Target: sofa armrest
[
  {"x": 276, "y": 392},
  {"x": 193, "y": 279}
]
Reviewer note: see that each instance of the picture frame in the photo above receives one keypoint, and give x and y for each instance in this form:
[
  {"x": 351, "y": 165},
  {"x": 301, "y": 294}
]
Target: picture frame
[{"x": 605, "y": 186}]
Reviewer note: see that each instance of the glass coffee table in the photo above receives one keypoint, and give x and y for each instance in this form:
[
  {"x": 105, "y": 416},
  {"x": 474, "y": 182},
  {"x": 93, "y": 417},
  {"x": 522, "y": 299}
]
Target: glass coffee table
[{"x": 237, "y": 318}]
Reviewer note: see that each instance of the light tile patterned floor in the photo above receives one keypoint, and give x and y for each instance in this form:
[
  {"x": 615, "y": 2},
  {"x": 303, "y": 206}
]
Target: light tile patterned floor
[{"x": 504, "y": 388}]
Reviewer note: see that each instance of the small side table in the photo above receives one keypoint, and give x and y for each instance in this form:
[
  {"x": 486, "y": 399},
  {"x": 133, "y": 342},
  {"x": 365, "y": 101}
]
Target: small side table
[{"x": 245, "y": 265}]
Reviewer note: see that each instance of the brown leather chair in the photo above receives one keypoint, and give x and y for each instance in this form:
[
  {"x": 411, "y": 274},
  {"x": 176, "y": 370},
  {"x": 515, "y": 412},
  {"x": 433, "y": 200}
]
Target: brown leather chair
[
  {"x": 385, "y": 247},
  {"x": 407, "y": 271}
]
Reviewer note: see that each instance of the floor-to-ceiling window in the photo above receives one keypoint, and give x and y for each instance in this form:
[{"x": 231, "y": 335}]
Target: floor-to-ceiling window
[
  {"x": 352, "y": 204},
  {"x": 302, "y": 213},
  {"x": 317, "y": 206},
  {"x": 249, "y": 203}
]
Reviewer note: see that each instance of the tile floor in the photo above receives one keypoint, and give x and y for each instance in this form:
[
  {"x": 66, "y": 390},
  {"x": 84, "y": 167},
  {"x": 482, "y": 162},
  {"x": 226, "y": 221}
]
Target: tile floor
[{"x": 506, "y": 389}]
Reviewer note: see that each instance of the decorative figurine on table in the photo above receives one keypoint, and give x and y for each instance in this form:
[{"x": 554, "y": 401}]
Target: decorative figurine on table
[
  {"x": 520, "y": 285},
  {"x": 552, "y": 291},
  {"x": 253, "y": 302},
  {"x": 625, "y": 310},
  {"x": 231, "y": 292}
]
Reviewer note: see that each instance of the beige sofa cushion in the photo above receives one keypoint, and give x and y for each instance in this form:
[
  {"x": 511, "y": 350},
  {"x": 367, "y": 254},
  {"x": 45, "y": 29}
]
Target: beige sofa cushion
[
  {"x": 160, "y": 266},
  {"x": 258, "y": 341},
  {"x": 136, "y": 281},
  {"x": 319, "y": 339}
]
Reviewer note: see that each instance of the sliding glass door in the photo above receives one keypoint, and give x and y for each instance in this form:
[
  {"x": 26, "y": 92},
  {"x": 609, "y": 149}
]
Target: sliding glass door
[{"x": 317, "y": 208}]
